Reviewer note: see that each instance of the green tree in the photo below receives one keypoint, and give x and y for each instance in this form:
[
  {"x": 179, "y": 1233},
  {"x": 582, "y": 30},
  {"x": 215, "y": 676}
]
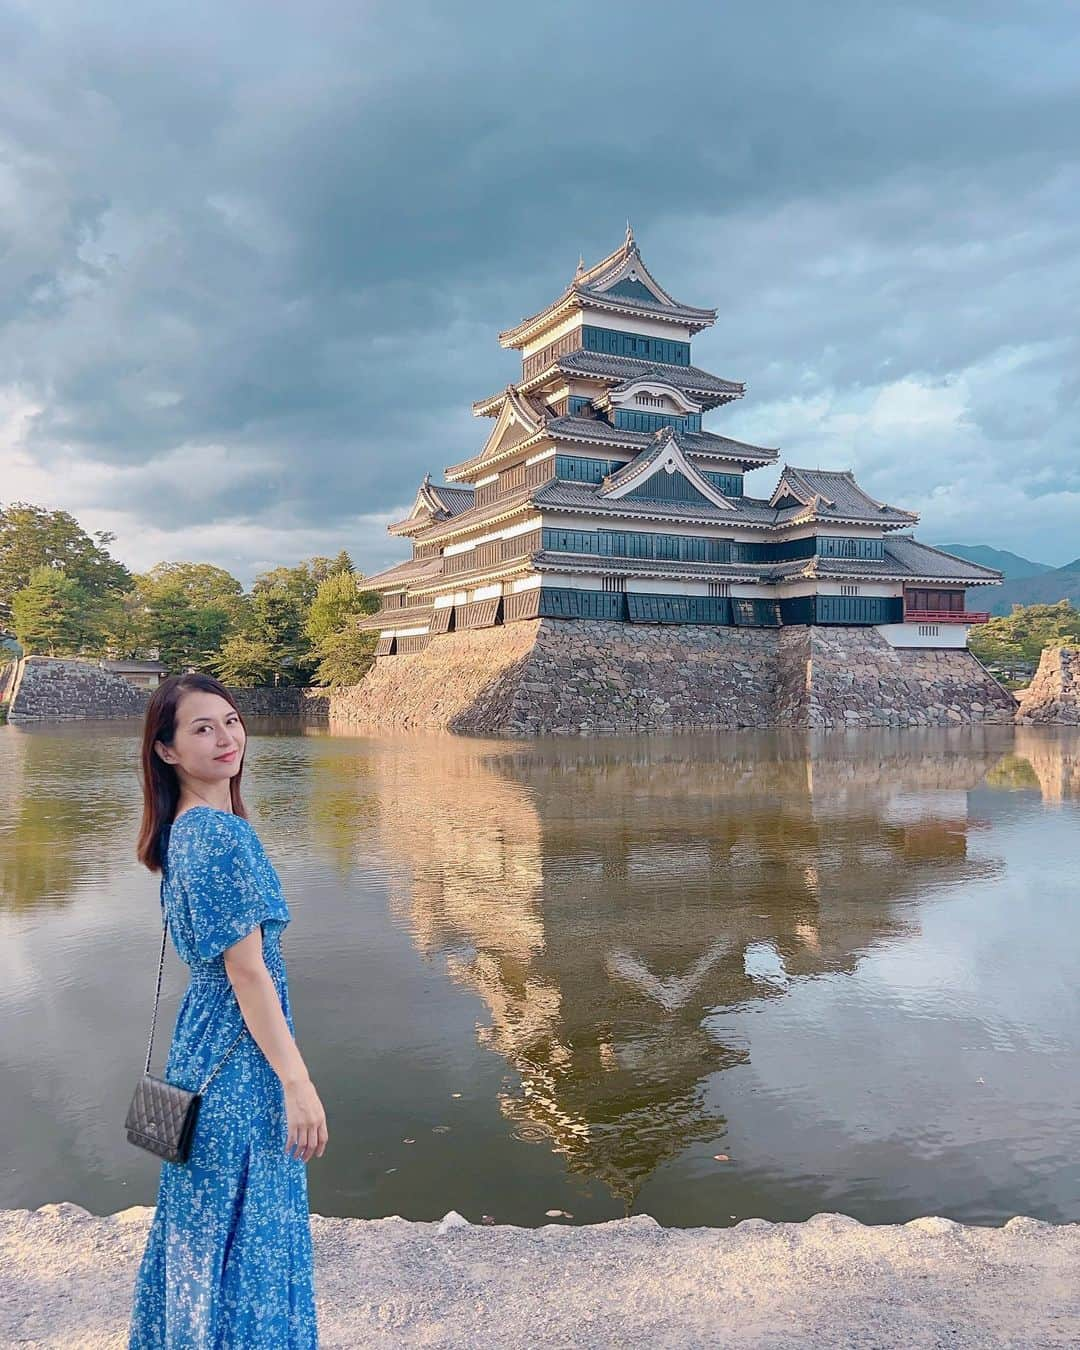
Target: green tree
[
  {"x": 245, "y": 661},
  {"x": 49, "y": 613},
  {"x": 1022, "y": 635},
  {"x": 206, "y": 586},
  {"x": 345, "y": 657},
  {"x": 31, "y": 537},
  {"x": 338, "y": 599},
  {"x": 174, "y": 627},
  {"x": 124, "y": 626},
  {"x": 278, "y": 620},
  {"x": 343, "y": 654}
]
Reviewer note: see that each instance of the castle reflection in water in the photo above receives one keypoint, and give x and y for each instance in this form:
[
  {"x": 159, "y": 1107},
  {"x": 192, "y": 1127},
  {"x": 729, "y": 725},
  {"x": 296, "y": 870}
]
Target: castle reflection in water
[{"x": 605, "y": 900}]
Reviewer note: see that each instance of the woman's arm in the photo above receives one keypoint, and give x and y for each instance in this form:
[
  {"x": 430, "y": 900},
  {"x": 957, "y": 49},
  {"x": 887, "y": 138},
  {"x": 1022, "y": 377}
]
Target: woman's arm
[{"x": 261, "y": 1009}]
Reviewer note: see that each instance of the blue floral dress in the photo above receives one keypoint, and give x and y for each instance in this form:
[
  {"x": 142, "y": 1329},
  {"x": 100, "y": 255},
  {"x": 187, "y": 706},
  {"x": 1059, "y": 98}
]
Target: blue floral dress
[{"x": 228, "y": 1261}]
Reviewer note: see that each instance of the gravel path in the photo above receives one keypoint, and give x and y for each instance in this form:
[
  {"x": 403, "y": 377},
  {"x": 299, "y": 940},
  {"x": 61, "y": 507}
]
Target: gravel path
[{"x": 66, "y": 1279}]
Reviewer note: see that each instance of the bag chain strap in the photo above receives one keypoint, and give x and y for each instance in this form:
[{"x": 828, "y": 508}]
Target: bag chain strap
[{"x": 157, "y": 997}]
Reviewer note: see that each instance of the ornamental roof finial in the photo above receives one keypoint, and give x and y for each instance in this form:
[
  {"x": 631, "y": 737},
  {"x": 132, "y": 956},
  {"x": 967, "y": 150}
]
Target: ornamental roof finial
[
  {"x": 427, "y": 480},
  {"x": 630, "y": 241},
  {"x": 580, "y": 266}
]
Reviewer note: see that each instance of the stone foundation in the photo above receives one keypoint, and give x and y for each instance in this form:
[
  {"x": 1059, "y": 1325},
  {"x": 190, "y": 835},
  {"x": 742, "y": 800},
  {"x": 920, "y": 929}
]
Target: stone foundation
[
  {"x": 852, "y": 677},
  {"x": 566, "y": 677},
  {"x": 1054, "y": 693}
]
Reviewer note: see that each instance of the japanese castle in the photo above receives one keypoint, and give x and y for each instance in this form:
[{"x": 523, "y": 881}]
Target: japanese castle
[{"x": 598, "y": 495}]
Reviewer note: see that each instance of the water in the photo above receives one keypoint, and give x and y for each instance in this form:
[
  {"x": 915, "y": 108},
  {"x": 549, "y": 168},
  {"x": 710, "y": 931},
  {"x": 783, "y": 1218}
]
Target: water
[{"x": 573, "y": 973}]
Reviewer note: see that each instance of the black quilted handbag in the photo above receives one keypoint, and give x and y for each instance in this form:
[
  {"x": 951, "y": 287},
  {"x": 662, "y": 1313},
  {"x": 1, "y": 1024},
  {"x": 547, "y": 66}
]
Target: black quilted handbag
[{"x": 162, "y": 1116}]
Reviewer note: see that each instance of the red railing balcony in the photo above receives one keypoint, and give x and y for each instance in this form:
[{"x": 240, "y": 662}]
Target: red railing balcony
[{"x": 945, "y": 616}]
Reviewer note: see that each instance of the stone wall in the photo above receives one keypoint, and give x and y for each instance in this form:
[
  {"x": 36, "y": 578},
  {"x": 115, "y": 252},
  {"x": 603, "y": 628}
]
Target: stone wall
[
  {"x": 51, "y": 689},
  {"x": 48, "y": 689},
  {"x": 856, "y": 679},
  {"x": 566, "y": 677},
  {"x": 459, "y": 682},
  {"x": 282, "y": 701},
  {"x": 1054, "y": 693},
  {"x": 617, "y": 677},
  {"x": 7, "y": 679}
]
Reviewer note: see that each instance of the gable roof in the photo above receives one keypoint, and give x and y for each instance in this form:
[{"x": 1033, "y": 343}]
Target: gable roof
[
  {"x": 620, "y": 283},
  {"x": 826, "y": 494},
  {"x": 664, "y": 456},
  {"x": 708, "y": 389},
  {"x": 432, "y": 502},
  {"x": 395, "y": 578}
]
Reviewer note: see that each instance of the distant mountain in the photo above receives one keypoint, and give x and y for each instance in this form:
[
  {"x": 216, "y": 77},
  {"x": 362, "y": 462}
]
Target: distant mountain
[
  {"x": 1011, "y": 564},
  {"x": 1063, "y": 583}
]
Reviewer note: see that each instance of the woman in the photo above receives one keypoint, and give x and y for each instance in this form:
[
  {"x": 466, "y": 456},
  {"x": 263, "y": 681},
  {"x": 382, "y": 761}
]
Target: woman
[{"x": 228, "y": 1260}]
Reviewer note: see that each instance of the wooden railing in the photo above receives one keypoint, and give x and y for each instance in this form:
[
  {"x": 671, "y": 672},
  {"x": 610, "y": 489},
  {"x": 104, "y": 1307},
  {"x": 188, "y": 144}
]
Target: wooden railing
[
  {"x": 521, "y": 605},
  {"x": 521, "y": 475},
  {"x": 946, "y": 616},
  {"x": 493, "y": 552},
  {"x": 409, "y": 616}
]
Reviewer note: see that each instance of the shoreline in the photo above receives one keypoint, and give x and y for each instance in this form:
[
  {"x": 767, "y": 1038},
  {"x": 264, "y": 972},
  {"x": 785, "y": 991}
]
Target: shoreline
[{"x": 67, "y": 1278}]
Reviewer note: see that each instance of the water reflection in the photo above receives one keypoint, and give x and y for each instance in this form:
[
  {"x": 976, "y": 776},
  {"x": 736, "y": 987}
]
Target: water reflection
[
  {"x": 65, "y": 803},
  {"x": 1053, "y": 762},
  {"x": 849, "y": 962},
  {"x": 606, "y": 900}
]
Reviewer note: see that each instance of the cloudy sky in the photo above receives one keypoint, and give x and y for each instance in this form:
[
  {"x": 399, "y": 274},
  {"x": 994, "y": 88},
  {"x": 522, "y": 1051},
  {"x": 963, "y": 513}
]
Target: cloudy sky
[{"x": 254, "y": 258}]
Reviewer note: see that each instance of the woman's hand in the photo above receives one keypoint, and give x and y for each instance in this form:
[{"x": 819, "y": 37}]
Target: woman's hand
[{"x": 306, "y": 1120}]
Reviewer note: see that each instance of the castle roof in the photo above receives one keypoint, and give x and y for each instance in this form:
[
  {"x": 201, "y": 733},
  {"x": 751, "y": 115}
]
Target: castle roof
[
  {"x": 622, "y": 371},
  {"x": 413, "y": 569},
  {"x": 853, "y": 507},
  {"x": 827, "y": 494},
  {"x": 591, "y": 431},
  {"x": 620, "y": 284},
  {"x": 433, "y": 501},
  {"x": 905, "y": 560}
]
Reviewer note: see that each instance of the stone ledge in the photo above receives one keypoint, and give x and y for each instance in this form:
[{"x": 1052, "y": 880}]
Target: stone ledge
[{"x": 67, "y": 1279}]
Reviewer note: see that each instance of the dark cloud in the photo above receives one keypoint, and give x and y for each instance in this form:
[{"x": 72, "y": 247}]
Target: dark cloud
[{"x": 276, "y": 245}]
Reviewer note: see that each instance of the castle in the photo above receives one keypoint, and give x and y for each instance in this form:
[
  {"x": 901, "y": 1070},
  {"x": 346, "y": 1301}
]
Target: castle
[{"x": 600, "y": 498}]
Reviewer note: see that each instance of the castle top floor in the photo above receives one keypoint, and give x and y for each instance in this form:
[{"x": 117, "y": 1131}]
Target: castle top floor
[{"x": 620, "y": 296}]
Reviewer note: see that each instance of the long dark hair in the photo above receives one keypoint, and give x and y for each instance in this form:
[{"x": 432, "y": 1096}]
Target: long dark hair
[{"x": 160, "y": 784}]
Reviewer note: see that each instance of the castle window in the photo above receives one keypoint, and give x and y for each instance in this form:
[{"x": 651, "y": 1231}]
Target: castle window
[
  {"x": 719, "y": 587},
  {"x": 849, "y": 590},
  {"x": 650, "y": 400},
  {"x": 614, "y": 584}
]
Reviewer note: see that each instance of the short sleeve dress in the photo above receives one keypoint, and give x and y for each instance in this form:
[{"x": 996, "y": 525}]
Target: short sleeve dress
[{"x": 228, "y": 1261}]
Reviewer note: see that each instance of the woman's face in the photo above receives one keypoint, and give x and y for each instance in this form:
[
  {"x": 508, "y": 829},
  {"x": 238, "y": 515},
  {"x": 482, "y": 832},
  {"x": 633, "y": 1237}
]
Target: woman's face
[{"x": 208, "y": 741}]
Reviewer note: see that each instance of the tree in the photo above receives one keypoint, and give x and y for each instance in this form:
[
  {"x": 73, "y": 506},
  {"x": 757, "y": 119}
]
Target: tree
[
  {"x": 31, "y": 537},
  {"x": 183, "y": 613},
  {"x": 278, "y": 620},
  {"x": 344, "y": 654},
  {"x": 303, "y": 580},
  {"x": 174, "y": 628},
  {"x": 124, "y": 626},
  {"x": 1022, "y": 635},
  {"x": 49, "y": 613},
  {"x": 338, "y": 599},
  {"x": 245, "y": 661},
  {"x": 345, "y": 657},
  {"x": 206, "y": 587}
]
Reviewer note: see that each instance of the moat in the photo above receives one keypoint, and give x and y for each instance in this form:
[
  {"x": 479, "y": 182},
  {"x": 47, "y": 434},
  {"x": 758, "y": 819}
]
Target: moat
[{"x": 568, "y": 975}]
